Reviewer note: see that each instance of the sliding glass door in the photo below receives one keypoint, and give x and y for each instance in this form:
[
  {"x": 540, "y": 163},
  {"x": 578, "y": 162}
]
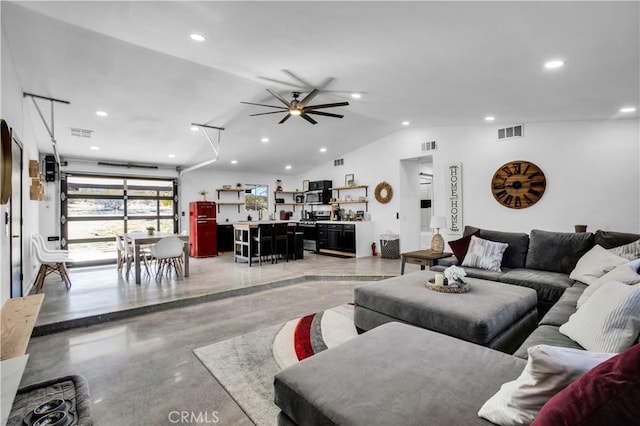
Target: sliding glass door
[{"x": 95, "y": 208}]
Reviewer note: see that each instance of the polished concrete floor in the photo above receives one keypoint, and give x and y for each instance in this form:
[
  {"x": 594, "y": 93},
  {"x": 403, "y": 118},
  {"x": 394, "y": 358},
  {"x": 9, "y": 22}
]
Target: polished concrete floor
[{"x": 141, "y": 369}]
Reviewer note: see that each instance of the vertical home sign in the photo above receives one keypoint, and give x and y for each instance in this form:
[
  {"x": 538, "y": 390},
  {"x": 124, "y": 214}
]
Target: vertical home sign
[{"x": 454, "y": 195}]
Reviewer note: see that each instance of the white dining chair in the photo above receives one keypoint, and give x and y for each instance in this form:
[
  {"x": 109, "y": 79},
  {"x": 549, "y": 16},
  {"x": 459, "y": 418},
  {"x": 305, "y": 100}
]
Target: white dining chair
[
  {"x": 50, "y": 262},
  {"x": 167, "y": 254},
  {"x": 126, "y": 255}
]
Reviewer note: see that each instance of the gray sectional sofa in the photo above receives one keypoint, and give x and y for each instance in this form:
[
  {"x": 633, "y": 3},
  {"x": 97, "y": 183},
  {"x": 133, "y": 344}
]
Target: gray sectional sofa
[
  {"x": 541, "y": 260},
  {"x": 399, "y": 374}
]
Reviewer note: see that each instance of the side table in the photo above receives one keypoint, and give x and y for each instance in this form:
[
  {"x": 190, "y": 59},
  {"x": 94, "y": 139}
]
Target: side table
[{"x": 422, "y": 258}]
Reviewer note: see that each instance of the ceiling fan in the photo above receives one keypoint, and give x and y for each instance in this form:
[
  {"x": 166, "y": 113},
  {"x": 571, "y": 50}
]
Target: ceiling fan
[{"x": 299, "y": 107}]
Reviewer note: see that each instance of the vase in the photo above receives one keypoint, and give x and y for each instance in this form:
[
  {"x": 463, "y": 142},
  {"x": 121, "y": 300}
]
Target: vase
[
  {"x": 149, "y": 231},
  {"x": 203, "y": 197}
]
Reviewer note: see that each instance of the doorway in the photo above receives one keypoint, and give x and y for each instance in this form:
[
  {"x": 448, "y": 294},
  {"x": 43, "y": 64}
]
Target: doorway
[
  {"x": 15, "y": 221},
  {"x": 416, "y": 196}
]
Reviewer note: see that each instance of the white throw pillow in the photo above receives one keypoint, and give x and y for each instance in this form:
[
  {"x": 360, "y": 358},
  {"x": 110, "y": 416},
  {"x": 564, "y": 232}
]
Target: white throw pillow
[
  {"x": 484, "y": 254},
  {"x": 629, "y": 251},
  {"x": 626, "y": 273},
  {"x": 594, "y": 264},
  {"x": 549, "y": 369},
  {"x": 609, "y": 321}
]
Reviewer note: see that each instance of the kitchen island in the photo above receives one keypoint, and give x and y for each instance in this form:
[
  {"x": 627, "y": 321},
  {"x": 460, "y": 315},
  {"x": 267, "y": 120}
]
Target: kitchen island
[
  {"x": 345, "y": 238},
  {"x": 244, "y": 233}
]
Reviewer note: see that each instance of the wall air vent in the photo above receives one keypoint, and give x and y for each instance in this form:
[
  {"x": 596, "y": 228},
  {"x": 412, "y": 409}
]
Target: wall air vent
[
  {"x": 516, "y": 131},
  {"x": 127, "y": 165},
  {"x": 81, "y": 133},
  {"x": 429, "y": 146},
  {"x": 338, "y": 162}
]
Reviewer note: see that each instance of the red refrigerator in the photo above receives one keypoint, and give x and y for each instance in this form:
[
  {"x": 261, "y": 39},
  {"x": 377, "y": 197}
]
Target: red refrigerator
[{"x": 203, "y": 229}]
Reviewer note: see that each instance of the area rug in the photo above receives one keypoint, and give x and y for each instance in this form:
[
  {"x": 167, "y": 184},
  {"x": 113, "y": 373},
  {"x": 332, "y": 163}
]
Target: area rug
[{"x": 245, "y": 365}]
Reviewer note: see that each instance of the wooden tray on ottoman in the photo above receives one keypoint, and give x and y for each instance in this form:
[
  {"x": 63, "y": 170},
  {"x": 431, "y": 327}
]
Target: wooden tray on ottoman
[{"x": 431, "y": 285}]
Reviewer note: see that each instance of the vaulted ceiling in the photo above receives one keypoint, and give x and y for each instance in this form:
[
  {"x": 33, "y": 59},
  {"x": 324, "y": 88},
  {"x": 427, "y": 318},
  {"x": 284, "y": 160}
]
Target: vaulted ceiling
[{"x": 429, "y": 63}]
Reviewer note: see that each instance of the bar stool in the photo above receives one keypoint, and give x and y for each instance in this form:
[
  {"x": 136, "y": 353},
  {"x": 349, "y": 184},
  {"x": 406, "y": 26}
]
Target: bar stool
[
  {"x": 264, "y": 241},
  {"x": 280, "y": 241}
]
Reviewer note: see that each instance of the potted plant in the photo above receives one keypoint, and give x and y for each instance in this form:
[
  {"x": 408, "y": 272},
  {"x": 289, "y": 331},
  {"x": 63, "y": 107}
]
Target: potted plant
[
  {"x": 203, "y": 194},
  {"x": 150, "y": 230}
]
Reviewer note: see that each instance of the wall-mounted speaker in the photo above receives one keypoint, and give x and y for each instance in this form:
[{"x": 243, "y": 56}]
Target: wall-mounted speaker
[{"x": 49, "y": 168}]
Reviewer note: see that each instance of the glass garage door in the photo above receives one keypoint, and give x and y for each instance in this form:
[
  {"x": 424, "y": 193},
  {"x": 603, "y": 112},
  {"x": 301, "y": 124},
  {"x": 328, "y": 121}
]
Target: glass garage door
[{"x": 94, "y": 209}]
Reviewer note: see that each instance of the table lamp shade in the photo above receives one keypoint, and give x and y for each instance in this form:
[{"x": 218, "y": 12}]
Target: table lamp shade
[{"x": 437, "y": 242}]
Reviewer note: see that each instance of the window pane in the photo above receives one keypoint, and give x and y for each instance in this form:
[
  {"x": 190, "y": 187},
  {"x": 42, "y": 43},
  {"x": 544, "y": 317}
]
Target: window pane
[
  {"x": 142, "y": 208},
  {"x": 95, "y": 186},
  {"x": 81, "y": 207},
  {"x": 141, "y": 225},
  {"x": 166, "y": 207},
  {"x": 166, "y": 225},
  {"x": 94, "y": 229},
  {"x": 256, "y": 197},
  {"x": 152, "y": 188},
  {"x": 81, "y": 252}
]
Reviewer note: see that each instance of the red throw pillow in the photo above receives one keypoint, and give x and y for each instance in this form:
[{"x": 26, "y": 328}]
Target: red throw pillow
[
  {"x": 608, "y": 394},
  {"x": 460, "y": 247}
]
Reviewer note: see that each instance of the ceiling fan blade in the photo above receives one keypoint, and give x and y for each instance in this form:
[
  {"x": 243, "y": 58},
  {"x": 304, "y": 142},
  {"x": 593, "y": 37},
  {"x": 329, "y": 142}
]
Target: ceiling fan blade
[
  {"x": 295, "y": 77},
  {"x": 280, "y": 98},
  {"x": 310, "y": 96},
  {"x": 337, "y": 104},
  {"x": 284, "y": 83},
  {"x": 328, "y": 114},
  {"x": 265, "y": 113},
  {"x": 309, "y": 119},
  {"x": 325, "y": 83},
  {"x": 265, "y": 105},
  {"x": 286, "y": 117}
]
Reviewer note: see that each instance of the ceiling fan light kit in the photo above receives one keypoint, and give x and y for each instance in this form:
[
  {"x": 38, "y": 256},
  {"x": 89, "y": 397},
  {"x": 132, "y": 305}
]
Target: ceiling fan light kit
[{"x": 299, "y": 108}]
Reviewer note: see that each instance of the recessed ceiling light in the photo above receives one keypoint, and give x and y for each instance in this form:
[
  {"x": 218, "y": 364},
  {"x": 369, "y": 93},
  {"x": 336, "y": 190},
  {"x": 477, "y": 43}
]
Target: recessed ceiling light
[
  {"x": 556, "y": 63},
  {"x": 264, "y": 140},
  {"x": 405, "y": 123},
  {"x": 95, "y": 148},
  {"x": 101, "y": 114},
  {"x": 323, "y": 149},
  {"x": 628, "y": 109},
  {"x": 287, "y": 167},
  {"x": 197, "y": 37},
  {"x": 172, "y": 156},
  {"x": 489, "y": 118},
  {"x": 234, "y": 161},
  {"x": 356, "y": 95},
  {"x": 194, "y": 128}
]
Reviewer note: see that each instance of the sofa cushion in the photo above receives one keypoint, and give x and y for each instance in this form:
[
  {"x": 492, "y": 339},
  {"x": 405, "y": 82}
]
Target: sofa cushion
[
  {"x": 460, "y": 246},
  {"x": 557, "y": 251},
  {"x": 395, "y": 374},
  {"x": 484, "y": 274},
  {"x": 549, "y": 370},
  {"x": 611, "y": 239},
  {"x": 516, "y": 254},
  {"x": 609, "y": 321},
  {"x": 564, "y": 307},
  {"x": 627, "y": 273},
  {"x": 545, "y": 335},
  {"x": 594, "y": 264},
  {"x": 606, "y": 395},
  {"x": 549, "y": 285}
]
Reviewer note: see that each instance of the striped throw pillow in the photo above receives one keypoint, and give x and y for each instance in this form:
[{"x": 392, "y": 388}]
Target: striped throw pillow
[
  {"x": 609, "y": 321},
  {"x": 629, "y": 251},
  {"x": 484, "y": 254}
]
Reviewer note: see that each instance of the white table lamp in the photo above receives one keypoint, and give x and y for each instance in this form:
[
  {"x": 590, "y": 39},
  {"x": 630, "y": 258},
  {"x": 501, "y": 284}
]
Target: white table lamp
[{"x": 437, "y": 242}]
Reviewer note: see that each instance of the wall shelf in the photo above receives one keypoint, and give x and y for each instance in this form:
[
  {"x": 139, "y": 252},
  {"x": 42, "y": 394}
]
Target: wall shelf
[
  {"x": 349, "y": 188},
  {"x": 278, "y": 194},
  {"x": 238, "y": 191}
]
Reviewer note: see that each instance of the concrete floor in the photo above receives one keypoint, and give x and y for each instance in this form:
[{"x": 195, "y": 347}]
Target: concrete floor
[{"x": 141, "y": 369}]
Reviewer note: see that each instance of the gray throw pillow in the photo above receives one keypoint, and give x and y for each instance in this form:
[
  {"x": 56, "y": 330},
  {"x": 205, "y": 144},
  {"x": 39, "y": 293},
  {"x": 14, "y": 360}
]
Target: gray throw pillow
[{"x": 484, "y": 254}]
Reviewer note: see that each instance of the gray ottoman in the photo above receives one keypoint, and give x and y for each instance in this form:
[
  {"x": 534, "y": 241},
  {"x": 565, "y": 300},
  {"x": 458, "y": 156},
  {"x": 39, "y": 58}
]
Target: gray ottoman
[
  {"x": 492, "y": 314},
  {"x": 394, "y": 375}
]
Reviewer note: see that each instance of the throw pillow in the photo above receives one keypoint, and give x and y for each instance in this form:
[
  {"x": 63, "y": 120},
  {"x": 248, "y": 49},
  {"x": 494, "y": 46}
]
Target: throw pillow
[
  {"x": 594, "y": 264},
  {"x": 626, "y": 273},
  {"x": 484, "y": 254},
  {"x": 549, "y": 369},
  {"x": 608, "y": 394},
  {"x": 609, "y": 321},
  {"x": 629, "y": 251},
  {"x": 461, "y": 246}
]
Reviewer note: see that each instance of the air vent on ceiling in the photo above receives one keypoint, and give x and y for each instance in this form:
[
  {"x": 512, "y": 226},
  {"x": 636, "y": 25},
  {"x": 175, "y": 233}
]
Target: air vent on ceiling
[
  {"x": 81, "y": 133},
  {"x": 429, "y": 146},
  {"x": 338, "y": 162},
  {"x": 127, "y": 165},
  {"x": 516, "y": 131}
]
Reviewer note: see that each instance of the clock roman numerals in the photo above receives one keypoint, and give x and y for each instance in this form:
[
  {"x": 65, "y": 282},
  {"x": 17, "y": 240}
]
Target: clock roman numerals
[{"x": 518, "y": 184}]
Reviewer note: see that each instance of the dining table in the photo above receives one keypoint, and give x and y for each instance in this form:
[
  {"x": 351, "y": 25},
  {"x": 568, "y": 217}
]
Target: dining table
[{"x": 139, "y": 239}]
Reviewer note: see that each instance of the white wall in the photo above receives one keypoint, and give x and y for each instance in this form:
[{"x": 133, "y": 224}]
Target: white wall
[
  {"x": 592, "y": 170},
  {"x": 16, "y": 112}
]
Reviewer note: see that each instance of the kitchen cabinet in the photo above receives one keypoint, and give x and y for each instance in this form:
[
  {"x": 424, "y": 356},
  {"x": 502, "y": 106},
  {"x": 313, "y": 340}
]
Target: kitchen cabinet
[
  {"x": 225, "y": 237},
  {"x": 349, "y": 239}
]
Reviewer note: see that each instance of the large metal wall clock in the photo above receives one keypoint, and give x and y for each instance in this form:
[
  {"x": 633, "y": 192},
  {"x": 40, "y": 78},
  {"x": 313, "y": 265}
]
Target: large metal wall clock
[{"x": 518, "y": 184}]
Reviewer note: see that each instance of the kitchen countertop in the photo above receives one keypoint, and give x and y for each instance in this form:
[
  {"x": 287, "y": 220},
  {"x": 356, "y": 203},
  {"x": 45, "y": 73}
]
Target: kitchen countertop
[{"x": 345, "y": 222}]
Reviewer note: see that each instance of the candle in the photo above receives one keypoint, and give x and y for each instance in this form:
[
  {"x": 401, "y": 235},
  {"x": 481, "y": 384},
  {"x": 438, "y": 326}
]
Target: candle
[{"x": 439, "y": 279}]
